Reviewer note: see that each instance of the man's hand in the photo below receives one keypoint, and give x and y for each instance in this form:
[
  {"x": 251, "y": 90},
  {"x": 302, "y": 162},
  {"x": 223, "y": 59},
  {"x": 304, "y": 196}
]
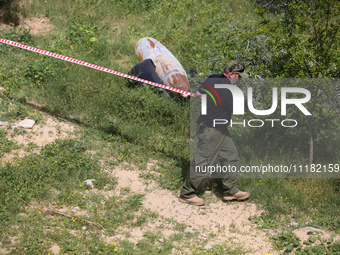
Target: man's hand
[{"x": 198, "y": 95}]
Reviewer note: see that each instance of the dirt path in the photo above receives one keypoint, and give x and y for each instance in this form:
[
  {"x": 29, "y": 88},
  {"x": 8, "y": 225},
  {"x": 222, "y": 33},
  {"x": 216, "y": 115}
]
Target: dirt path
[{"x": 216, "y": 223}]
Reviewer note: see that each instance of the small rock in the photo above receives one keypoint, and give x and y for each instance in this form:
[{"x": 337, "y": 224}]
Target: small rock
[
  {"x": 27, "y": 123},
  {"x": 3, "y": 123},
  {"x": 118, "y": 236},
  {"x": 208, "y": 247},
  {"x": 84, "y": 228},
  {"x": 294, "y": 224},
  {"x": 90, "y": 182},
  {"x": 161, "y": 240},
  {"x": 72, "y": 232}
]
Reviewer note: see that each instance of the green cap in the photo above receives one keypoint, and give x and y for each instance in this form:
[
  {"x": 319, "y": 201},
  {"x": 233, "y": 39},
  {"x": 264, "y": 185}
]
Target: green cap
[{"x": 235, "y": 67}]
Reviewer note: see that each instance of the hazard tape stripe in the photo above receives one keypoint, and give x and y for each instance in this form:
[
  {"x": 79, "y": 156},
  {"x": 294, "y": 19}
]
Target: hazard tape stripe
[{"x": 100, "y": 68}]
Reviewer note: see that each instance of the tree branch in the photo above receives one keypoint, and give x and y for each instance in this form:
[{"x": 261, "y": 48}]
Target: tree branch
[{"x": 53, "y": 211}]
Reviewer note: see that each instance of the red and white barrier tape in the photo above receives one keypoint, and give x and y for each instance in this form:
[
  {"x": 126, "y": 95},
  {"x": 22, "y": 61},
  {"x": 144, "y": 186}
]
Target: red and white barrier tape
[{"x": 83, "y": 63}]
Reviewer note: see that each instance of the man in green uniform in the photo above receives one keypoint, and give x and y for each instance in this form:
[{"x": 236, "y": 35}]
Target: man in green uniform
[{"x": 214, "y": 141}]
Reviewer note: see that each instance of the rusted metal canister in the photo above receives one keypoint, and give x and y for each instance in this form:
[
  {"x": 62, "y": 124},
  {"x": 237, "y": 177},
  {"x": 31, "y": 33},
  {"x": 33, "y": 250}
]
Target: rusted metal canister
[{"x": 168, "y": 68}]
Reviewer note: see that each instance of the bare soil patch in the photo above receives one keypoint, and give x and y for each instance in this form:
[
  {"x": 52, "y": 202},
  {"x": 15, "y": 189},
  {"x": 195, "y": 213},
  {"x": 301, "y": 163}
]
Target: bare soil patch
[
  {"x": 37, "y": 25},
  {"x": 41, "y": 134},
  {"x": 304, "y": 234}
]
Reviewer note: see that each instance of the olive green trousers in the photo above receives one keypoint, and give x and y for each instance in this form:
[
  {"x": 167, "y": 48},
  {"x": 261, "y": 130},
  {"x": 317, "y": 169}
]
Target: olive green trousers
[{"x": 213, "y": 146}]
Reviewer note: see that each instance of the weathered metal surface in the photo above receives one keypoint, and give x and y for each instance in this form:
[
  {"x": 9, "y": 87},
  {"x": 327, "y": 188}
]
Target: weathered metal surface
[{"x": 168, "y": 68}]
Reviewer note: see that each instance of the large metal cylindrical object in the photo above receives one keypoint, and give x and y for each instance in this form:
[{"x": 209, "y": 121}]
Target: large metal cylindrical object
[{"x": 168, "y": 68}]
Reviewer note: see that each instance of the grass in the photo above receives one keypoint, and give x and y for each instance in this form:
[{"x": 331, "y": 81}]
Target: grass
[{"x": 128, "y": 127}]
